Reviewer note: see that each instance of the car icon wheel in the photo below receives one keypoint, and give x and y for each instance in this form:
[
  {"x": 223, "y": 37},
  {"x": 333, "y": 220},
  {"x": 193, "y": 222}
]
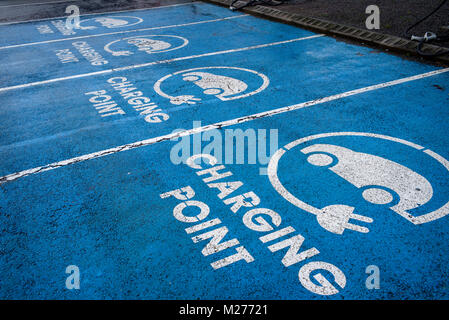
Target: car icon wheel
[{"x": 377, "y": 195}]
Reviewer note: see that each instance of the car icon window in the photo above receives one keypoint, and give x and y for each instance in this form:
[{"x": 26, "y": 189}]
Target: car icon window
[
  {"x": 377, "y": 176},
  {"x": 220, "y": 86}
]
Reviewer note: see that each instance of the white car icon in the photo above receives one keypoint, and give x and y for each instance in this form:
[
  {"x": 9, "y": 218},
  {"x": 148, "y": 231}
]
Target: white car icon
[
  {"x": 106, "y": 22},
  {"x": 224, "y": 88},
  {"x": 111, "y": 22},
  {"x": 149, "y": 45},
  {"x": 220, "y": 86},
  {"x": 379, "y": 178}
]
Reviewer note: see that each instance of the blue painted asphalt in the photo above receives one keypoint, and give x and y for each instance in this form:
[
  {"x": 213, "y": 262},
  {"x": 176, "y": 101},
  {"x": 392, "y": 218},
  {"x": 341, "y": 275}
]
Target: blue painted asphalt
[
  {"x": 116, "y": 52},
  {"x": 106, "y": 215},
  {"x": 120, "y": 21}
]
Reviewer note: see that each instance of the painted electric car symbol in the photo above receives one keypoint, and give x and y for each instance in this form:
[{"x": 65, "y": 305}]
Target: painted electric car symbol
[
  {"x": 213, "y": 83},
  {"x": 109, "y": 22},
  {"x": 147, "y": 43},
  {"x": 380, "y": 180},
  {"x": 217, "y": 85}
]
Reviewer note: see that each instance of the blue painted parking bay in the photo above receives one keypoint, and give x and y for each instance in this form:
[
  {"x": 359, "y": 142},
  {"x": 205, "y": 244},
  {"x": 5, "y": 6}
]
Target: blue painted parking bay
[{"x": 130, "y": 169}]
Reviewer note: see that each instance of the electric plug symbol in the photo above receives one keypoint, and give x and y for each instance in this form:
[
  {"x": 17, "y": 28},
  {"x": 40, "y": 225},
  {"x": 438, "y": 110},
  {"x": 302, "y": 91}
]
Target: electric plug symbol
[
  {"x": 184, "y": 99},
  {"x": 335, "y": 218}
]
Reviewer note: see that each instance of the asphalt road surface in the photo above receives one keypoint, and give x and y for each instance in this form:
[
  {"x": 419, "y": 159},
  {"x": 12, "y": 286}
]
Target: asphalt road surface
[{"x": 186, "y": 151}]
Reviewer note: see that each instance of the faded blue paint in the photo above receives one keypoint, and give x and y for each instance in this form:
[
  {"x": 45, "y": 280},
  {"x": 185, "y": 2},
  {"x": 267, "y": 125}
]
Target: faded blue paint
[{"x": 105, "y": 215}]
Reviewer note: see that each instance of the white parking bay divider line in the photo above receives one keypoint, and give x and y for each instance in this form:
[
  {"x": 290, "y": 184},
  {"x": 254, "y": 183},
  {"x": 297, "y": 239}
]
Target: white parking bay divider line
[
  {"x": 101, "y": 13},
  {"x": 122, "y": 32},
  {"x": 219, "y": 125},
  {"x": 108, "y": 71}
]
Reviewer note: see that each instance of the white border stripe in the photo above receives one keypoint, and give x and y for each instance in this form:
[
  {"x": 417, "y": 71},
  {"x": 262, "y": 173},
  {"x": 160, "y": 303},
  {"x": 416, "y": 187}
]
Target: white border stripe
[
  {"x": 102, "y": 72},
  {"x": 218, "y": 125},
  {"x": 120, "y": 32},
  {"x": 100, "y": 13}
]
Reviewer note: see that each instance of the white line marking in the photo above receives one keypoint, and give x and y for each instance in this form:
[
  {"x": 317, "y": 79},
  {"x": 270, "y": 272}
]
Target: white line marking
[
  {"x": 218, "y": 125},
  {"x": 120, "y": 32},
  {"x": 100, "y": 13},
  {"x": 35, "y": 3},
  {"x": 102, "y": 72}
]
